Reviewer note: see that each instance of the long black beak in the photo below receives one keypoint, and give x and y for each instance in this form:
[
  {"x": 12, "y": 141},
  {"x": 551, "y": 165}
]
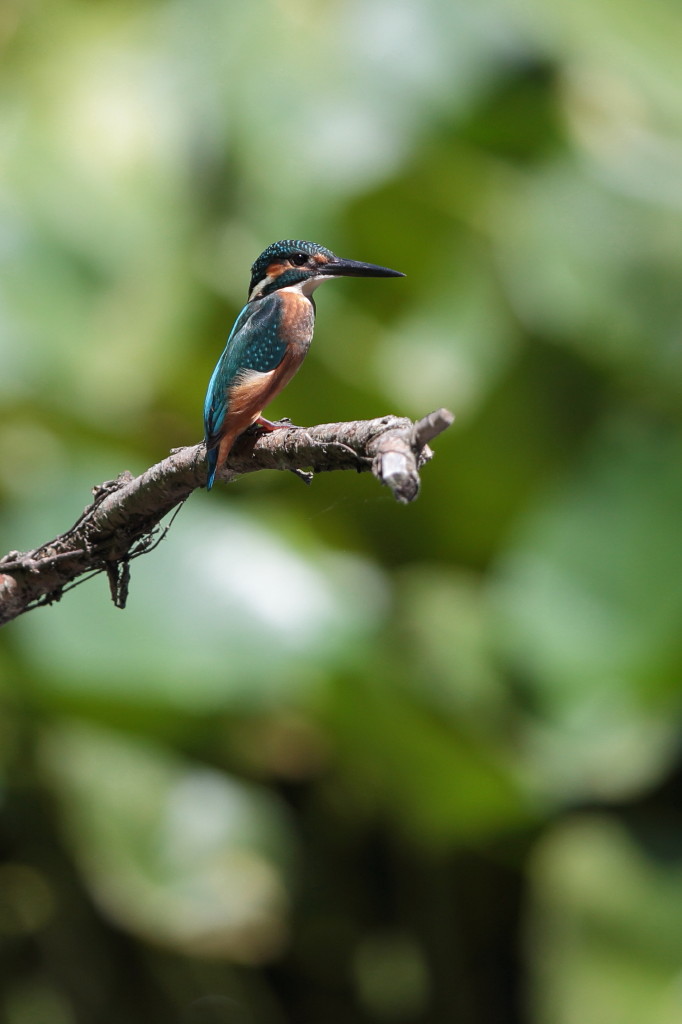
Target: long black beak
[{"x": 352, "y": 268}]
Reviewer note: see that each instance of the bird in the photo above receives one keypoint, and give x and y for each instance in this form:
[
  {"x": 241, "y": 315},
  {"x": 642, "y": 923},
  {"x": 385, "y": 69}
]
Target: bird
[{"x": 269, "y": 339}]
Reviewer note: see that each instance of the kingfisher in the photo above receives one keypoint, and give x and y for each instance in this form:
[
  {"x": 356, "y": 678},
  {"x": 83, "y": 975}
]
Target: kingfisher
[{"x": 269, "y": 339}]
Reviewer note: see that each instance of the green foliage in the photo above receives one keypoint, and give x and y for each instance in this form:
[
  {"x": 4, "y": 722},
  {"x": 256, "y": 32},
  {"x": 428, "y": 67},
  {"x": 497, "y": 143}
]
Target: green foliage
[{"x": 340, "y": 760}]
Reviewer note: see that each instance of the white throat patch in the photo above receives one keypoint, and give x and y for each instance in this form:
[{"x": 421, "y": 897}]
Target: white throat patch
[
  {"x": 305, "y": 287},
  {"x": 308, "y": 286}
]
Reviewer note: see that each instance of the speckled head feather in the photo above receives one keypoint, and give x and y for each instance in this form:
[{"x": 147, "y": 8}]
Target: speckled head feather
[{"x": 281, "y": 252}]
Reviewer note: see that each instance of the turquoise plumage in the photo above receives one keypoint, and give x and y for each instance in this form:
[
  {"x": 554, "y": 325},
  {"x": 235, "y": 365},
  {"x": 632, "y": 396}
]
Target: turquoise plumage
[
  {"x": 269, "y": 339},
  {"x": 254, "y": 344}
]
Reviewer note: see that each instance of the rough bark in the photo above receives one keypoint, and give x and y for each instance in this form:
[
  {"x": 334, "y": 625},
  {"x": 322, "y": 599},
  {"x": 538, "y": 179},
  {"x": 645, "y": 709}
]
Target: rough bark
[{"x": 122, "y": 522}]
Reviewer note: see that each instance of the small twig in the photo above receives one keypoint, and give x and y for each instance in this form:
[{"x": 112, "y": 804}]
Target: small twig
[
  {"x": 431, "y": 426},
  {"x": 306, "y": 477}
]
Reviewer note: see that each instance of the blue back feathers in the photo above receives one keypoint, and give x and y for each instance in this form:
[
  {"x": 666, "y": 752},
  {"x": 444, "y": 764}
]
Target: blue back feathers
[{"x": 254, "y": 344}]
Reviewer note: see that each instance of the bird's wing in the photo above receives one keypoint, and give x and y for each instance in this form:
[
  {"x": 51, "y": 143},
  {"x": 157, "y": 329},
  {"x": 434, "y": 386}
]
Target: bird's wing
[{"x": 254, "y": 344}]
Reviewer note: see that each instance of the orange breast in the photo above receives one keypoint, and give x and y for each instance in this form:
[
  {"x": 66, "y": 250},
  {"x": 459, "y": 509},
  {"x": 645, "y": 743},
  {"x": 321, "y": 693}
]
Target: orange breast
[
  {"x": 251, "y": 392},
  {"x": 297, "y": 318}
]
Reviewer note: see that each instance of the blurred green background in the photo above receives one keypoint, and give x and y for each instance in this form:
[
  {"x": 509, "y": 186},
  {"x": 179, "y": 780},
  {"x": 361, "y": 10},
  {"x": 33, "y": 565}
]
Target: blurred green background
[{"x": 342, "y": 761}]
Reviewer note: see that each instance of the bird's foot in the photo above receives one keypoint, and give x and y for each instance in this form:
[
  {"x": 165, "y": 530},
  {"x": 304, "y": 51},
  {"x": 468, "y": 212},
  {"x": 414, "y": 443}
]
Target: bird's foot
[{"x": 267, "y": 426}]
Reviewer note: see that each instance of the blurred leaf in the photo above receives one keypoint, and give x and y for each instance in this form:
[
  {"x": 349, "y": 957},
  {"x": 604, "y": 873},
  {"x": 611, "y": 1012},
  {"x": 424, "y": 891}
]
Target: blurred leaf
[
  {"x": 593, "y": 269},
  {"x": 605, "y": 932},
  {"x": 589, "y": 601},
  {"x": 444, "y": 630},
  {"x": 177, "y": 853},
  {"x": 439, "y": 785},
  {"x": 225, "y": 613}
]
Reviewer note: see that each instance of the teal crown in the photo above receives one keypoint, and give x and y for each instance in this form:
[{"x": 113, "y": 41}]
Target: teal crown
[{"x": 281, "y": 251}]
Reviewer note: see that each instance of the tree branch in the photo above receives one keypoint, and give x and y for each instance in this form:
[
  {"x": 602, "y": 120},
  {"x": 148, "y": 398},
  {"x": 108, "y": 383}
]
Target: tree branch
[{"x": 123, "y": 520}]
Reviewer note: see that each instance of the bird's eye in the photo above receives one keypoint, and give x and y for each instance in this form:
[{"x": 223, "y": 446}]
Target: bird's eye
[{"x": 298, "y": 259}]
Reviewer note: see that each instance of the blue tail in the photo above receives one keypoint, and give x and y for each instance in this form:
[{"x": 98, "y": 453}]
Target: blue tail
[{"x": 212, "y": 459}]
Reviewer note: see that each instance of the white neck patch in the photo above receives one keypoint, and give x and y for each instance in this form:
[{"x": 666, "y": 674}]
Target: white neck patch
[{"x": 307, "y": 286}]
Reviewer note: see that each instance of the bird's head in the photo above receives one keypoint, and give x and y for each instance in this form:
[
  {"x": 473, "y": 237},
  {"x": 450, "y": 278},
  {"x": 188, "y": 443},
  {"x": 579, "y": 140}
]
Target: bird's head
[{"x": 304, "y": 265}]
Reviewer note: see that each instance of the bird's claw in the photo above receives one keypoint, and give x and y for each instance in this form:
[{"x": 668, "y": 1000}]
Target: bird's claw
[{"x": 267, "y": 426}]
